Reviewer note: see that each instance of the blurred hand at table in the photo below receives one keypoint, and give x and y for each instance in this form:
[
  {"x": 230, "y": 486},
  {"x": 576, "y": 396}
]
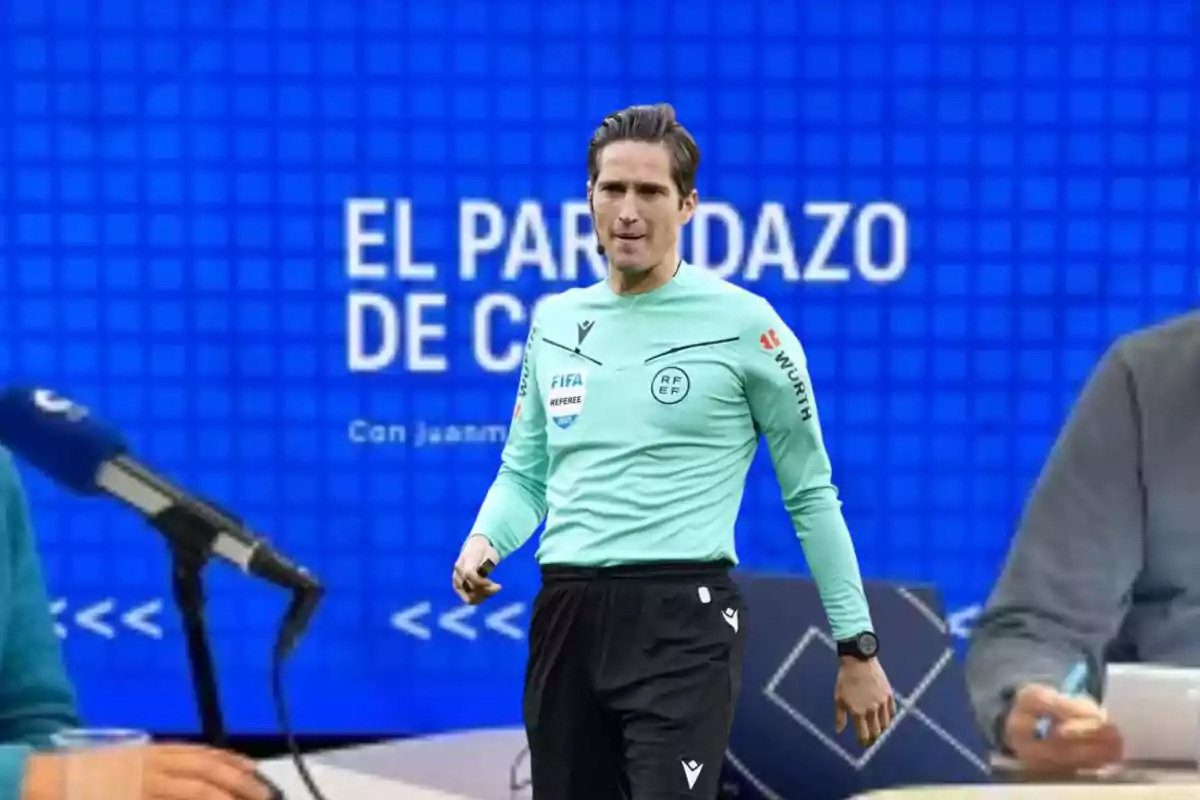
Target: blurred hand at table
[
  {"x": 1080, "y": 735},
  {"x": 169, "y": 772}
]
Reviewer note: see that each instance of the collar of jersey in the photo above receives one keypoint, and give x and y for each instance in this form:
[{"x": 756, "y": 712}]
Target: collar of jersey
[{"x": 654, "y": 295}]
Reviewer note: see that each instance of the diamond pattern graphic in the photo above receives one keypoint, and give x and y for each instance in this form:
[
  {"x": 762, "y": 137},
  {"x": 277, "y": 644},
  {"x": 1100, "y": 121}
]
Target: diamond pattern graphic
[
  {"x": 906, "y": 706},
  {"x": 784, "y": 733}
]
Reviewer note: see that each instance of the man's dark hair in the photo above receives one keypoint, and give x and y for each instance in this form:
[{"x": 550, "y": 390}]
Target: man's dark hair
[{"x": 654, "y": 124}]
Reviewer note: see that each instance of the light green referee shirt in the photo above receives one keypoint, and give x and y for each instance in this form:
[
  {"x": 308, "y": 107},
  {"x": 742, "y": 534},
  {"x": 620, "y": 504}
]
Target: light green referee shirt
[{"x": 637, "y": 418}]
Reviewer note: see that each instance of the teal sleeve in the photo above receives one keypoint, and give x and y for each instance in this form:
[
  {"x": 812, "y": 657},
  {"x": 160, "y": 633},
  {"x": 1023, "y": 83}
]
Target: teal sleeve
[
  {"x": 13, "y": 758},
  {"x": 515, "y": 504},
  {"x": 784, "y": 409},
  {"x": 36, "y": 698}
]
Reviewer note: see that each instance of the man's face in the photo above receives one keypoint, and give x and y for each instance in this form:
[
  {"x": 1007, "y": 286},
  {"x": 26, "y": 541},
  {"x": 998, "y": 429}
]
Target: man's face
[{"x": 636, "y": 208}]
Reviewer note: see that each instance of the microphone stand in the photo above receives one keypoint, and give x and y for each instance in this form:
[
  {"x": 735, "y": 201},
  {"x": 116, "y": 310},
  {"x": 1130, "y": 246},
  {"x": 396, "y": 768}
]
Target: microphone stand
[
  {"x": 191, "y": 538},
  {"x": 192, "y": 535}
]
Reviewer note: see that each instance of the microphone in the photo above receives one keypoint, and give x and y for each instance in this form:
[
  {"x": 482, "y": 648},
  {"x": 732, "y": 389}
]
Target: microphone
[
  {"x": 66, "y": 442},
  {"x": 71, "y": 446}
]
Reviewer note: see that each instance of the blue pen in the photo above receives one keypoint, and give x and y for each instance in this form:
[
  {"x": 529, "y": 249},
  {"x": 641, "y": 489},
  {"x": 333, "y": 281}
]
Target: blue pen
[{"x": 1072, "y": 686}]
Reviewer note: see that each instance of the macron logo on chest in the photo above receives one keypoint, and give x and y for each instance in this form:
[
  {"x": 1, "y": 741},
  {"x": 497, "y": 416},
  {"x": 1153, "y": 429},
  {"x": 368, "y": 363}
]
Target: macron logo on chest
[{"x": 582, "y": 331}]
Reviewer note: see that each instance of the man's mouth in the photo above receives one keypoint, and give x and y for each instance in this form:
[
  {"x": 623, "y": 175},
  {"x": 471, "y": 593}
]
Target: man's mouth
[{"x": 629, "y": 237}]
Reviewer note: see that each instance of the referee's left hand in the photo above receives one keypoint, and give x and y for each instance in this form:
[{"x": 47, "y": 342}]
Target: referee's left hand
[{"x": 864, "y": 695}]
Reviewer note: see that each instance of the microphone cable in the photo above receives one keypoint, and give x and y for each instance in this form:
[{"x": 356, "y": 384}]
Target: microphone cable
[{"x": 303, "y": 605}]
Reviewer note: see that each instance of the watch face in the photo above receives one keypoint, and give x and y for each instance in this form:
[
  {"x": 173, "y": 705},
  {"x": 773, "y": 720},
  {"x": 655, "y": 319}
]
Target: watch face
[{"x": 868, "y": 644}]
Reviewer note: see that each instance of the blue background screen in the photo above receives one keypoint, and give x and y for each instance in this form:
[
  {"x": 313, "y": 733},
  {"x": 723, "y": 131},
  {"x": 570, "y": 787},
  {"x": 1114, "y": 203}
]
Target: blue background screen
[{"x": 290, "y": 248}]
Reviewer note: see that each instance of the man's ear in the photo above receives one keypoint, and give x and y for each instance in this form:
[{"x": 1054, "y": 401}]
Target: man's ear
[{"x": 687, "y": 207}]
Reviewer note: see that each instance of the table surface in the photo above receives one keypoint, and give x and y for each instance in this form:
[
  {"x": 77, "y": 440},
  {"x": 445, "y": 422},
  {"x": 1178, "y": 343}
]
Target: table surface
[
  {"x": 1043, "y": 791},
  {"x": 428, "y": 768},
  {"x": 1129, "y": 773},
  {"x": 432, "y": 768},
  {"x": 336, "y": 783}
]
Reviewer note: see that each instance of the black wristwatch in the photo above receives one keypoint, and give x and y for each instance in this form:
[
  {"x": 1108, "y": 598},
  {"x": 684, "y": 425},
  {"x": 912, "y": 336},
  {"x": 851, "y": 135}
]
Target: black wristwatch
[{"x": 864, "y": 646}]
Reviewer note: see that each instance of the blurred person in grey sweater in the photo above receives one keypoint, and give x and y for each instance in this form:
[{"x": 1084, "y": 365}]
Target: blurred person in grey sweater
[{"x": 1105, "y": 566}]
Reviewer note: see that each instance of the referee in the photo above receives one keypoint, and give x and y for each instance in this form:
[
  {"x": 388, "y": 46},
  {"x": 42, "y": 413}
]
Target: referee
[{"x": 640, "y": 406}]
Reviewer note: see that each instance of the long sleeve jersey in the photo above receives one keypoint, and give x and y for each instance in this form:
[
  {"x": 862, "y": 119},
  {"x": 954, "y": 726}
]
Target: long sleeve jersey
[{"x": 636, "y": 420}]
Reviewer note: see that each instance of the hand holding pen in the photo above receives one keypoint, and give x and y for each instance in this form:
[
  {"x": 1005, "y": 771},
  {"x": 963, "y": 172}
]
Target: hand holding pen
[{"x": 1061, "y": 730}]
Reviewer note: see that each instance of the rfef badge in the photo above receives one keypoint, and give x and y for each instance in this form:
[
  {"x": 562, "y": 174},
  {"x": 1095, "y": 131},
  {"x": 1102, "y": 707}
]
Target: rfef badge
[{"x": 565, "y": 401}]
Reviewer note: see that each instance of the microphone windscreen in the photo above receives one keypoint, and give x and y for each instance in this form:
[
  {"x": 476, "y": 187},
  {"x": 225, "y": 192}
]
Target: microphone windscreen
[{"x": 57, "y": 436}]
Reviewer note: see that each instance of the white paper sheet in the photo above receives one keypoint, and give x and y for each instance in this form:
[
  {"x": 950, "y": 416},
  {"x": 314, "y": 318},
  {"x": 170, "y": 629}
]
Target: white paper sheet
[{"x": 1157, "y": 709}]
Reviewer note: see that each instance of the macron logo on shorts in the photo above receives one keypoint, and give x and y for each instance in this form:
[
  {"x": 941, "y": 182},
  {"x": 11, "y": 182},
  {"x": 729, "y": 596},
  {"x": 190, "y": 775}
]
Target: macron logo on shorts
[
  {"x": 730, "y": 616},
  {"x": 692, "y": 770}
]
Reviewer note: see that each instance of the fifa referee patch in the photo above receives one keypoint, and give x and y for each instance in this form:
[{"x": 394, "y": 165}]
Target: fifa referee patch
[{"x": 565, "y": 401}]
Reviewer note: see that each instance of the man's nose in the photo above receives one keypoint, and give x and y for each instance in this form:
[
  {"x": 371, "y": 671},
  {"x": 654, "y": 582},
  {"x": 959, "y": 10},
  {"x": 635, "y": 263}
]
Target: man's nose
[{"x": 627, "y": 212}]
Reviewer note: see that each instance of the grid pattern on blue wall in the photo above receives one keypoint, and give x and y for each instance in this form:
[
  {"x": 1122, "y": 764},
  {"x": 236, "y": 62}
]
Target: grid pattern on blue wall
[{"x": 173, "y": 179}]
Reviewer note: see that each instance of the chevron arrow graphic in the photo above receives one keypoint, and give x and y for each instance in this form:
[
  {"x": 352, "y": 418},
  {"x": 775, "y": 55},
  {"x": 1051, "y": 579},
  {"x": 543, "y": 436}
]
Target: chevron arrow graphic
[
  {"x": 499, "y": 621},
  {"x": 453, "y": 621},
  {"x": 962, "y": 622},
  {"x": 406, "y": 620},
  {"x": 138, "y": 619},
  {"x": 458, "y": 621},
  {"x": 56, "y": 608},
  {"x": 92, "y": 619}
]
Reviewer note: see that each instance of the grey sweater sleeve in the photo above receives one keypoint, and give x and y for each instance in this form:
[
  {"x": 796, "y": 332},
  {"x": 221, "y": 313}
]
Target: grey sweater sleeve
[{"x": 1066, "y": 583}]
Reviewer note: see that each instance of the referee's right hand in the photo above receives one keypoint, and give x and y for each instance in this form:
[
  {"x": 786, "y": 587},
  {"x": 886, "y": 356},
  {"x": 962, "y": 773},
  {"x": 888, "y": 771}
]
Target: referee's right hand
[{"x": 477, "y": 559}]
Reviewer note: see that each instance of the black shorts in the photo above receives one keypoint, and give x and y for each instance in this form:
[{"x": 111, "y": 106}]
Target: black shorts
[{"x": 632, "y": 681}]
